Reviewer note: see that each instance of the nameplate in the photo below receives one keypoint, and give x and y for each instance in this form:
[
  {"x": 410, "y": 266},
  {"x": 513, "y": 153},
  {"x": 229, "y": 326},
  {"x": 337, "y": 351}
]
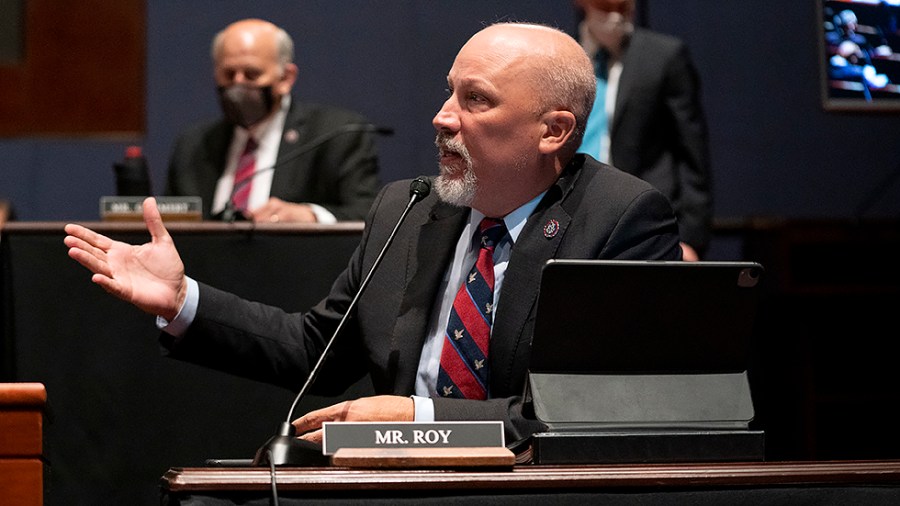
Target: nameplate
[
  {"x": 129, "y": 208},
  {"x": 337, "y": 435}
]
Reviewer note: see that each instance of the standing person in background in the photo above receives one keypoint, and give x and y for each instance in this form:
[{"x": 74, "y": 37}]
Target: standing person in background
[
  {"x": 647, "y": 118},
  {"x": 324, "y": 158}
]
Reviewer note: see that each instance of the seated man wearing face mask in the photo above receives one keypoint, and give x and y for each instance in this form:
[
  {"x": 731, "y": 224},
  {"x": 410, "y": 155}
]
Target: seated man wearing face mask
[{"x": 272, "y": 158}]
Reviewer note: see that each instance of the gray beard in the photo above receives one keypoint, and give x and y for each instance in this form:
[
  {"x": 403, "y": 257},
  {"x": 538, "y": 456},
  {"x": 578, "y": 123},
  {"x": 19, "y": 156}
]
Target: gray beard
[
  {"x": 456, "y": 191},
  {"x": 453, "y": 190}
]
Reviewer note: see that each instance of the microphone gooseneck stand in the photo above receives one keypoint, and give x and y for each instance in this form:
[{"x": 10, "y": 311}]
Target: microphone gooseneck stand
[
  {"x": 284, "y": 448},
  {"x": 230, "y": 214}
]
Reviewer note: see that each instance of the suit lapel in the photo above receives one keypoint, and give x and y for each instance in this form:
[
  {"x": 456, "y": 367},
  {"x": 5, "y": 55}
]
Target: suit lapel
[
  {"x": 429, "y": 253},
  {"x": 537, "y": 243},
  {"x": 294, "y": 135}
]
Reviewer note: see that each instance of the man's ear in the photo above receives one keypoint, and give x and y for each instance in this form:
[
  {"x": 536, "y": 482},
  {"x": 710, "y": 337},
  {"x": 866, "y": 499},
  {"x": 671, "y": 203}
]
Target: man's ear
[
  {"x": 558, "y": 128},
  {"x": 283, "y": 86}
]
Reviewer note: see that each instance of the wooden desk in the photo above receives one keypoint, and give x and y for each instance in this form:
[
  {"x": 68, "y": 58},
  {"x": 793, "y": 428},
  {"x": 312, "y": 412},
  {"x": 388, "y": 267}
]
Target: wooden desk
[
  {"x": 22, "y": 463},
  {"x": 121, "y": 412},
  {"x": 851, "y": 482}
]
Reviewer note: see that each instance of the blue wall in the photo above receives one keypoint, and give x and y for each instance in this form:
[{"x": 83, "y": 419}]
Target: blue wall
[{"x": 774, "y": 150}]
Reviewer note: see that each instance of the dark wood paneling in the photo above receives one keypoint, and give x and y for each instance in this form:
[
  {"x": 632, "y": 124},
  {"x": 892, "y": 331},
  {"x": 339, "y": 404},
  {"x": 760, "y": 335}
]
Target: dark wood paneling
[{"x": 83, "y": 71}]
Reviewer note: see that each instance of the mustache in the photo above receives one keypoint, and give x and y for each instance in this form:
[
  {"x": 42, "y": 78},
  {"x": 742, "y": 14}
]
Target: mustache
[{"x": 445, "y": 143}]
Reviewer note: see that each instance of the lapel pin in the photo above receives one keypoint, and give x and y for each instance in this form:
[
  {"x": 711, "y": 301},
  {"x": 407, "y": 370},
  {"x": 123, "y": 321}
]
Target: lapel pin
[
  {"x": 291, "y": 136},
  {"x": 551, "y": 229}
]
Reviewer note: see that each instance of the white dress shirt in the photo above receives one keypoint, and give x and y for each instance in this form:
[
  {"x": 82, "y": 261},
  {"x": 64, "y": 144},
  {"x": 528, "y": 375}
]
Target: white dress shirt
[{"x": 268, "y": 136}]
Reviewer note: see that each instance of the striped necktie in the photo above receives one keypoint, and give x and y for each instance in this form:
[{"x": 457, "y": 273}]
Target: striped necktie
[
  {"x": 243, "y": 177},
  {"x": 463, "y": 369}
]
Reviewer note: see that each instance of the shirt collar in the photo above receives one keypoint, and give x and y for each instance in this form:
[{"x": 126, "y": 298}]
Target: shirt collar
[
  {"x": 514, "y": 221},
  {"x": 264, "y": 128}
]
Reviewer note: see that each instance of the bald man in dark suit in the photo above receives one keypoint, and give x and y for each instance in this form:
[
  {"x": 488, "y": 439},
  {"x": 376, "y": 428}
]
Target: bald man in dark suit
[
  {"x": 308, "y": 162},
  {"x": 507, "y": 137},
  {"x": 340, "y": 175}
]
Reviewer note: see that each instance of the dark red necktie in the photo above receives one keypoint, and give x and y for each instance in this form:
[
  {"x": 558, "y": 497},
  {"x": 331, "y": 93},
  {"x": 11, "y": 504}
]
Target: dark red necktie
[
  {"x": 464, "y": 371},
  {"x": 243, "y": 177}
]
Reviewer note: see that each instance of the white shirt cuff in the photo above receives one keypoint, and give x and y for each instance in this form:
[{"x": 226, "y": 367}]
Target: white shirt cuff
[
  {"x": 178, "y": 326},
  {"x": 424, "y": 408},
  {"x": 323, "y": 215}
]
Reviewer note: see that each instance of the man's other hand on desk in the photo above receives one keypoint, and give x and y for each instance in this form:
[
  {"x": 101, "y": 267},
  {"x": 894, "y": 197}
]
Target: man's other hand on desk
[
  {"x": 380, "y": 408},
  {"x": 688, "y": 254},
  {"x": 277, "y": 210}
]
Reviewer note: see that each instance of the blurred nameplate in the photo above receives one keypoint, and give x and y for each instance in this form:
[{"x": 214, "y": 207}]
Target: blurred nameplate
[
  {"x": 131, "y": 208},
  {"x": 408, "y": 435}
]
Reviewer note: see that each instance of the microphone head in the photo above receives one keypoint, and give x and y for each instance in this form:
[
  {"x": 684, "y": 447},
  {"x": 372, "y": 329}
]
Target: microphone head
[{"x": 420, "y": 188}]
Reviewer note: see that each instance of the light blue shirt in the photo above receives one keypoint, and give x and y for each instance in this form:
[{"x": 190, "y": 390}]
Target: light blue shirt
[{"x": 463, "y": 260}]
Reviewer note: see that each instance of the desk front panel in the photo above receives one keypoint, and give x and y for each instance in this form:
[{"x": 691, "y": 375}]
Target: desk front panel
[
  {"x": 733, "y": 483},
  {"x": 120, "y": 413}
]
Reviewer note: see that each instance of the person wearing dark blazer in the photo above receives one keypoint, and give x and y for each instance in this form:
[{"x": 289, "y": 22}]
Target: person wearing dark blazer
[
  {"x": 655, "y": 124},
  {"x": 310, "y": 162},
  {"x": 507, "y": 135}
]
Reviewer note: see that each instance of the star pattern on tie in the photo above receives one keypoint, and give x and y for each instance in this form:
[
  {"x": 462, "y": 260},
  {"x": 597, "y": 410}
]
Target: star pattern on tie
[{"x": 464, "y": 371}]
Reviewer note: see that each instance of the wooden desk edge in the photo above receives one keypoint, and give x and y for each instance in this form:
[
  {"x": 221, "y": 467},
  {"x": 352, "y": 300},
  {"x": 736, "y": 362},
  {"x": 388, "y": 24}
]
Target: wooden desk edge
[
  {"x": 187, "y": 227},
  {"x": 541, "y": 477},
  {"x": 21, "y": 395}
]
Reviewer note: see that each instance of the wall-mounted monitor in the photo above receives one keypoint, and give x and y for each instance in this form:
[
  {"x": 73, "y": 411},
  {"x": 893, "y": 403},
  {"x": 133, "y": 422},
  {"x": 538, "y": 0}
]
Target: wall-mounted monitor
[{"x": 859, "y": 42}]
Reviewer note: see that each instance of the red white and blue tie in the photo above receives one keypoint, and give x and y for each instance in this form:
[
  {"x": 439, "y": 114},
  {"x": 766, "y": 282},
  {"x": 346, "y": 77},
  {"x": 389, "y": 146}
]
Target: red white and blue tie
[{"x": 463, "y": 369}]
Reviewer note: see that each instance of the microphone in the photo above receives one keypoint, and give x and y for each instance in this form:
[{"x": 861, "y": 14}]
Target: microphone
[
  {"x": 285, "y": 449},
  {"x": 229, "y": 214}
]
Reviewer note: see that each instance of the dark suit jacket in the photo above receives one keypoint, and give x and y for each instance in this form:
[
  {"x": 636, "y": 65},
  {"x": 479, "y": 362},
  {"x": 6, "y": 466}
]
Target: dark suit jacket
[
  {"x": 602, "y": 212},
  {"x": 341, "y": 174},
  {"x": 659, "y": 130}
]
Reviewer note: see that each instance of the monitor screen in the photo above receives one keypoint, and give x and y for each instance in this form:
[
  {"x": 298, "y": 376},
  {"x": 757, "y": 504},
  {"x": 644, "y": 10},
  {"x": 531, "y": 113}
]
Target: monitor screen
[{"x": 860, "y": 54}]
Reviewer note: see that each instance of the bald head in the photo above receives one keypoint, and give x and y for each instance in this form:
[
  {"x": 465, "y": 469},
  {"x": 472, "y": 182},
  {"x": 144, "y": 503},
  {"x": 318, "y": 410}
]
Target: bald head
[
  {"x": 256, "y": 35},
  {"x": 253, "y": 68},
  {"x": 519, "y": 97},
  {"x": 554, "y": 64}
]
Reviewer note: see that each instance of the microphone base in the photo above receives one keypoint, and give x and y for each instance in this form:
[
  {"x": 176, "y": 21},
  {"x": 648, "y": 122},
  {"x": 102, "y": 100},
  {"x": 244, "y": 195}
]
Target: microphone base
[
  {"x": 229, "y": 215},
  {"x": 284, "y": 449}
]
